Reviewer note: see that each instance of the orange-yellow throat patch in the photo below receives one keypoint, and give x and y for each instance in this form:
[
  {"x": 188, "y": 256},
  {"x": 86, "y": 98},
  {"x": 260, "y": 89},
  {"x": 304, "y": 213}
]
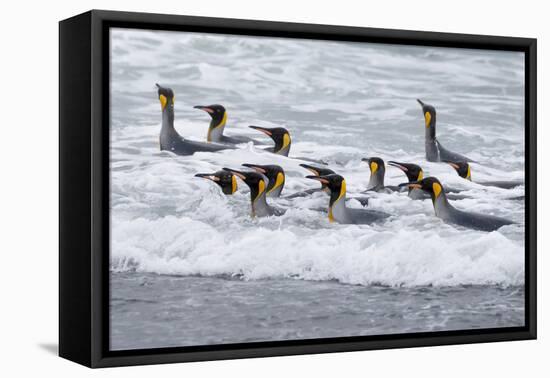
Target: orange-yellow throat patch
[
  {"x": 286, "y": 141},
  {"x": 278, "y": 181},
  {"x": 373, "y": 167},
  {"x": 427, "y": 118},
  {"x": 437, "y": 189},
  {"x": 163, "y": 101},
  {"x": 222, "y": 123},
  {"x": 342, "y": 194},
  {"x": 233, "y": 184},
  {"x": 261, "y": 189}
]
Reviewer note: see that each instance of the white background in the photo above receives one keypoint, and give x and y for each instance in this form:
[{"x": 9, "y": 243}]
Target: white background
[{"x": 29, "y": 188}]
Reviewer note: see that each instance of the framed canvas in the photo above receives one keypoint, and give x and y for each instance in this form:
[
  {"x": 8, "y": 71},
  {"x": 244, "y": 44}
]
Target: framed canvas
[{"x": 234, "y": 188}]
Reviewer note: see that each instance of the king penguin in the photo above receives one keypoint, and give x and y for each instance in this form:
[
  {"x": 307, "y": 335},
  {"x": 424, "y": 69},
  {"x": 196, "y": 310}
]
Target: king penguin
[
  {"x": 170, "y": 140},
  {"x": 321, "y": 171},
  {"x": 377, "y": 173},
  {"x": 282, "y": 140},
  {"x": 275, "y": 175},
  {"x": 448, "y": 213},
  {"x": 280, "y": 136},
  {"x": 338, "y": 211},
  {"x": 225, "y": 180},
  {"x": 464, "y": 170},
  {"x": 217, "y": 126},
  {"x": 414, "y": 173},
  {"x": 435, "y": 152},
  {"x": 258, "y": 185}
]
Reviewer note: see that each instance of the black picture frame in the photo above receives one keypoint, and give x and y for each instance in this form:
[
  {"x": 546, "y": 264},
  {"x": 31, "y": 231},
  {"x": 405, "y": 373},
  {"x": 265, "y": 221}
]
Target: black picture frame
[{"x": 84, "y": 188}]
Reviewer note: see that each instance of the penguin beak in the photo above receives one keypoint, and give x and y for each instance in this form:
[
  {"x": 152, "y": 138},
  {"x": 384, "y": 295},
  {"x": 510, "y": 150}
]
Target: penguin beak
[
  {"x": 420, "y": 102},
  {"x": 239, "y": 174},
  {"x": 204, "y": 108},
  {"x": 310, "y": 168},
  {"x": 208, "y": 176},
  {"x": 318, "y": 178},
  {"x": 265, "y": 131},
  {"x": 398, "y": 165},
  {"x": 256, "y": 168},
  {"x": 454, "y": 165}
]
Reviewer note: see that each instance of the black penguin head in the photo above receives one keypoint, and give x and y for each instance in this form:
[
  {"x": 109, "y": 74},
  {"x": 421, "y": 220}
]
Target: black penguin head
[
  {"x": 216, "y": 111},
  {"x": 429, "y": 117},
  {"x": 274, "y": 173},
  {"x": 166, "y": 97},
  {"x": 414, "y": 172},
  {"x": 280, "y": 136},
  {"x": 226, "y": 180},
  {"x": 317, "y": 171},
  {"x": 462, "y": 168},
  {"x": 335, "y": 183},
  {"x": 430, "y": 185},
  {"x": 376, "y": 165},
  {"x": 257, "y": 182}
]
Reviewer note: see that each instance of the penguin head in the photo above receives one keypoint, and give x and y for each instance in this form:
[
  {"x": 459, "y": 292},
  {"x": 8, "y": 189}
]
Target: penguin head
[
  {"x": 335, "y": 183},
  {"x": 429, "y": 117},
  {"x": 166, "y": 97},
  {"x": 274, "y": 173},
  {"x": 217, "y": 112},
  {"x": 414, "y": 172},
  {"x": 430, "y": 185},
  {"x": 317, "y": 171},
  {"x": 257, "y": 182},
  {"x": 226, "y": 180},
  {"x": 376, "y": 165},
  {"x": 280, "y": 136},
  {"x": 462, "y": 168}
]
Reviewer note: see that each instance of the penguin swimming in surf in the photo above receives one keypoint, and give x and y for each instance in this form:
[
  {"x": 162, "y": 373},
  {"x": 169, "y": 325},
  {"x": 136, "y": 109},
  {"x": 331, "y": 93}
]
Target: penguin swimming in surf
[
  {"x": 225, "y": 180},
  {"x": 435, "y": 152},
  {"x": 280, "y": 136},
  {"x": 338, "y": 211},
  {"x": 282, "y": 140},
  {"x": 377, "y": 173},
  {"x": 170, "y": 140},
  {"x": 217, "y": 126},
  {"x": 317, "y": 171},
  {"x": 449, "y": 214},
  {"x": 414, "y": 173},
  {"x": 321, "y": 171},
  {"x": 258, "y": 185},
  {"x": 464, "y": 170},
  {"x": 275, "y": 175}
]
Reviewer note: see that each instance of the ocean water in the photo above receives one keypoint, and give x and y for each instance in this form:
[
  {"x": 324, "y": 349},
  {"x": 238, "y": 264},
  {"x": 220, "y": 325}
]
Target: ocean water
[{"x": 190, "y": 267}]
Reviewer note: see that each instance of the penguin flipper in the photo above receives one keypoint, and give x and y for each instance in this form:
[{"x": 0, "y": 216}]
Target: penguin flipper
[
  {"x": 364, "y": 201},
  {"x": 277, "y": 211}
]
